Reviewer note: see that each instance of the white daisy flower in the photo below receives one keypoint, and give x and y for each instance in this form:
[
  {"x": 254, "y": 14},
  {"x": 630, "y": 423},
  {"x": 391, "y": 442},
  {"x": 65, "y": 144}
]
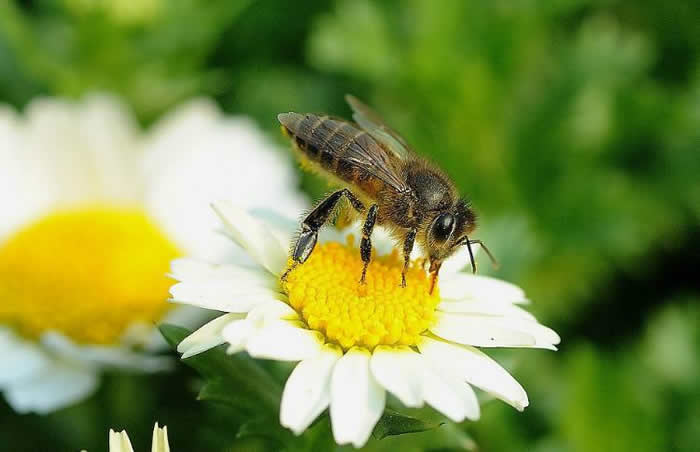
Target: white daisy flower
[
  {"x": 93, "y": 211},
  {"x": 356, "y": 342},
  {"x": 119, "y": 441}
]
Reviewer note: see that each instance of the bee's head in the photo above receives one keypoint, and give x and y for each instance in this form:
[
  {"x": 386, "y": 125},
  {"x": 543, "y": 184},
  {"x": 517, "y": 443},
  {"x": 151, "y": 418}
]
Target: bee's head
[{"x": 448, "y": 231}]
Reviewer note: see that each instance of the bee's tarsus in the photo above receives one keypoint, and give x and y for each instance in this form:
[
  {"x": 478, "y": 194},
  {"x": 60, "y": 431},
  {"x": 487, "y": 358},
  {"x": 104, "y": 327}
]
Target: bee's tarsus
[
  {"x": 362, "y": 280},
  {"x": 283, "y": 278}
]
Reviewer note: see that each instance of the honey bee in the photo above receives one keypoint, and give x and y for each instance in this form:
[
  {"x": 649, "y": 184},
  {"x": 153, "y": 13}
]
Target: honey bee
[{"x": 384, "y": 180}]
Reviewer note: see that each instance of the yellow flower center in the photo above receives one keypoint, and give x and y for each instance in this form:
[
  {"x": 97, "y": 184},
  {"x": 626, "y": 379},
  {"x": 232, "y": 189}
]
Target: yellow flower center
[
  {"x": 326, "y": 292},
  {"x": 88, "y": 273}
]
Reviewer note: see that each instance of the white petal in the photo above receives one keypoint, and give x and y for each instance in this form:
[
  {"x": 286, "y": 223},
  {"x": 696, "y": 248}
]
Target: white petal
[
  {"x": 119, "y": 442},
  {"x": 463, "y": 286},
  {"x": 281, "y": 226},
  {"x": 226, "y": 296},
  {"x": 236, "y": 333},
  {"x": 501, "y": 329},
  {"x": 23, "y": 196},
  {"x": 253, "y": 236},
  {"x": 545, "y": 337},
  {"x": 192, "y": 270},
  {"x": 88, "y": 139},
  {"x": 357, "y": 400},
  {"x": 307, "y": 391},
  {"x": 277, "y": 221},
  {"x": 159, "y": 442},
  {"x": 477, "y": 368},
  {"x": 187, "y": 269},
  {"x": 20, "y": 358},
  {"x": 271, "y": 311},
  {"x": 206, "y": 337},
  {"x": 396, "y": 368},
  {"x": 57, "y": 387},
  {"x": 479, "y": 331},
  {"x": 284, "y": 341},
  {"x": 485, "y": 307},
  {"x": 107, "y": 128},
  {"x": 453, "y": 398}
]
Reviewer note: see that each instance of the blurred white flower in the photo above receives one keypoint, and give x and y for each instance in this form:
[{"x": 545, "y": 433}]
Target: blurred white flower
[
  {"x": 93, "y": 210},
  {"x": 355, "y": 342}
]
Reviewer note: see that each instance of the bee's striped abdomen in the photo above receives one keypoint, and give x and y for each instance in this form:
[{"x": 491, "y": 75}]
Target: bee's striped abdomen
[
  {"x": 322, "y": 140},
  {"x": 304, "y": 130},
  {"x": 332, "y": 145}
]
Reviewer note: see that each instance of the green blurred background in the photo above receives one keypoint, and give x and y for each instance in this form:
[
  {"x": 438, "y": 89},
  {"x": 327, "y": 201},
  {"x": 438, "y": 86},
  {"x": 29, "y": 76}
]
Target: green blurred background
[{"x": 573, "y": 125}]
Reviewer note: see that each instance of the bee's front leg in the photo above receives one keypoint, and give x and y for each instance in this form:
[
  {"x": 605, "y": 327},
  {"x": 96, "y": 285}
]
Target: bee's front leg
[
  {"x": 366, "y": 243},
  {"x": 407, "y": 248},
  {"x": 312, "y": 223}
]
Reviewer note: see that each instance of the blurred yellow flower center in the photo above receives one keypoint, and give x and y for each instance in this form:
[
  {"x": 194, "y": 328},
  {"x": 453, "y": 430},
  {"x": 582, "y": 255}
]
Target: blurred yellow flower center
[
  {"x": 326, "y": 292},
  {"x": 88, "y": 273}
]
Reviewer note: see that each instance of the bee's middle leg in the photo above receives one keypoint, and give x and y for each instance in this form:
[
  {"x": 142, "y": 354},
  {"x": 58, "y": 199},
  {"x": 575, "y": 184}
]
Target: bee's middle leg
[
  {"x": 312, "y": 223},
  {"x": 407, "y": 248},
  {"x": 366, "y": 243}
]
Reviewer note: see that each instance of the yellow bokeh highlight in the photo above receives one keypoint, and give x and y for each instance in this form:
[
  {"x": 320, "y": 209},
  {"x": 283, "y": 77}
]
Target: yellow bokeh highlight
[
  {"x": 88, "y": 273},
  {"x": 325, "y": 291}
]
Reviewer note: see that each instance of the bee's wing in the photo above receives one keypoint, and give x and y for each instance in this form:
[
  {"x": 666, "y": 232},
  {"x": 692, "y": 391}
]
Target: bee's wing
[
  {"x": 371, "y": 122},
  {"x": 345, "y": 142}
]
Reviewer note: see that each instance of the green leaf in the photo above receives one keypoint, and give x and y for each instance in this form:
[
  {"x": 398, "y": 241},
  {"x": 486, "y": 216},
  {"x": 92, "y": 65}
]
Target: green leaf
[
  {"x": 393, "y": 423},
  {"x": 234, "y": 379},
  {"x": 173, "y": 334},
  {"x": 265, "y": 427},
  {"x": 219, "y": 391},
  {"x": 255, "y": 444}
]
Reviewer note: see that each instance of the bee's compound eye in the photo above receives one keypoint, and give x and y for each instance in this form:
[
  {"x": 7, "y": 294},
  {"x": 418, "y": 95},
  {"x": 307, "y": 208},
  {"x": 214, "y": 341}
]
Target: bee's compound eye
[{"x": 443, "y": 227}]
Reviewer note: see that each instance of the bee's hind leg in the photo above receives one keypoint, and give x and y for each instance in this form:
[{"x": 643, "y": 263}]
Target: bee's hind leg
[
  {"x": 407, "y": 248},
  {"x": 366, "y": 243},
  {"x": 306, "y": 242}
]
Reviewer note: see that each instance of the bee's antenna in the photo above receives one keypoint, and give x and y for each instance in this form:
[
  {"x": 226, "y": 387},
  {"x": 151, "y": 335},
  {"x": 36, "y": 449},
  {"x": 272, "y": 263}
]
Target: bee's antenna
[
  {"x": 494, "y": 261},
  {"x": 469, "y": 244},
  {"x": 471, "y": 255}
]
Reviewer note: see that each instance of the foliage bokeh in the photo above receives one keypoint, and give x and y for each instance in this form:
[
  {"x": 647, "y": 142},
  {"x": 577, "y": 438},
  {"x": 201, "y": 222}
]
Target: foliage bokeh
[{"x": 573, "y": 125}]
